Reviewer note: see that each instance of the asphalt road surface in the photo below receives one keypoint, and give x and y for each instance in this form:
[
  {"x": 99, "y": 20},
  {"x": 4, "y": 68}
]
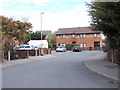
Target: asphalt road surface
[{"x": 65, "y": 70}]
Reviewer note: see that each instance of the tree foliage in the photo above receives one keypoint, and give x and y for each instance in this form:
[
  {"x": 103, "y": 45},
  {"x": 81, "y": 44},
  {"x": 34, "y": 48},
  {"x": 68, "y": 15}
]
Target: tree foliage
[
  {"x": 14, "y": 28},
  {"x": 106, "y": 18},
  {"x": 51, "y": 39},
  {"x": 37, "y": 36}
]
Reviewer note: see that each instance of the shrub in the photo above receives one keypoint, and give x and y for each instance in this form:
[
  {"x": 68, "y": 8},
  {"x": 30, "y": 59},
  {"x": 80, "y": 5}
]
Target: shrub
[{"x": 69, "y": 46}]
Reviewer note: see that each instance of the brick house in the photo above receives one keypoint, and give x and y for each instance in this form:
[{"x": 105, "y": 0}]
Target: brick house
[{"x": 82, "y": 36}]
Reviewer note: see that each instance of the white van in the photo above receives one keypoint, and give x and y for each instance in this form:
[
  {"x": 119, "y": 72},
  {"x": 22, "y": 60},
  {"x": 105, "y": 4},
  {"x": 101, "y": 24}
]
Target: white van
[{"x": 38, "y": 43}]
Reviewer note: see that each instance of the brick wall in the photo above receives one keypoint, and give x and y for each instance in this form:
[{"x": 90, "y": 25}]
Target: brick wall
[{"x": 89, "y": 40}]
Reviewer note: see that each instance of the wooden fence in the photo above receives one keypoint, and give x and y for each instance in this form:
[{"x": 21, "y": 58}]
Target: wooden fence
[
  {"x": 113, "y": 56},
  {"x": 21, "y": 54}
]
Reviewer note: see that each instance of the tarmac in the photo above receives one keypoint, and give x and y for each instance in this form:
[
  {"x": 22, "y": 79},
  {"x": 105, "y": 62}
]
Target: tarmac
[{"x": 97, "y": 64}]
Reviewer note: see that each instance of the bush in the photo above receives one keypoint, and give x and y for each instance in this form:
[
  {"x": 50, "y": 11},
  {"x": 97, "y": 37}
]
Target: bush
[
  {"x": 50, "y": 45},
  {"x": 75, "y": 45},
  {"x": 69, "y": 46}
]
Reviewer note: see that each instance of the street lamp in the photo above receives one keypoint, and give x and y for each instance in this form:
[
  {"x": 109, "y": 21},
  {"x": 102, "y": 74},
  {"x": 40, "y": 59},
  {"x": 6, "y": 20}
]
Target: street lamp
[{"x": 41, "y": 33}]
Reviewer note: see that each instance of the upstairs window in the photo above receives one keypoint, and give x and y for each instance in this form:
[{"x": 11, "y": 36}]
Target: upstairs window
[
  {"x": 62, "y": 36},
  {"x": 83, "y": 35},
  {"x": 94, "y": 35},
  {"x": 73, "y": 35}
]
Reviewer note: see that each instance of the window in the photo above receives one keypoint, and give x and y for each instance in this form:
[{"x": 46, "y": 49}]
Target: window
[
  {"x": 62, "y": 36},
  {"x": 83, "y": 45},
  {"x": 83, "y": 35},
  {"x": 62, "y": 44},
  {"x": 94, "y": 35},
  {"x": 73, "y": 35}
]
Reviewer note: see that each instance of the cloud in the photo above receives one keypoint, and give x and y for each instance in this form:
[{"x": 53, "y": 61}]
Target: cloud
[
  {"x": 54, "y": 21},
  {"x": 58, "y": 14},
  {"x": 78, "y": 17}
]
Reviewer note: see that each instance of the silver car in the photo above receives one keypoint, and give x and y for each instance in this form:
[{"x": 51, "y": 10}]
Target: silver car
[{"x": 61, "y": 49}]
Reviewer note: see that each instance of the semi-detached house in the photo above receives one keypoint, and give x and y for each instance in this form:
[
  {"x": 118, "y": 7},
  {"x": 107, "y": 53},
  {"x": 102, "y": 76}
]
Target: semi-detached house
[{"x": 83, "y": 36}]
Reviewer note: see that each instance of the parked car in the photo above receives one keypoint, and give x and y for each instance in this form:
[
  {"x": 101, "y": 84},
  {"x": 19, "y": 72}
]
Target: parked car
[
  {"x": 76, "y": 48},
  {"x": 23, "y": 47},
  {"x": 61, "y": 49}
]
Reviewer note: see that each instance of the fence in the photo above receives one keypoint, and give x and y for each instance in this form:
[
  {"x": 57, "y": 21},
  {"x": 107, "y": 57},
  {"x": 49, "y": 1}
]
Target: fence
[
  {"x": 22, "y": 54},
  {"x": 113, "y": 56},
  {"x": 38, "y": 51},
  {"x": 92, "y": 48}
]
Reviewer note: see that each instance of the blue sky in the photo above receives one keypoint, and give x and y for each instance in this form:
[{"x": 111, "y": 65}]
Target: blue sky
[{"x": 58, "y": 13}]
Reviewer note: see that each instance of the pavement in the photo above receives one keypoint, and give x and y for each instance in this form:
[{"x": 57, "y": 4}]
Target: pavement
[
  {"x": 6, "y": 64},
  {"x": 101, "y": 66}
]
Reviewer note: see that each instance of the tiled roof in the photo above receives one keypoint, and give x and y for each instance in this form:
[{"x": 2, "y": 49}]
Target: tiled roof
[
  {"x": 45, "y": 32},
  {"x": 76, "y": 30}
]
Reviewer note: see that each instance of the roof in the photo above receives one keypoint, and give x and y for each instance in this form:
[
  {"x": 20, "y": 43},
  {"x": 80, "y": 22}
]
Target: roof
[
  {"x": 45, "y": 32},
  {"x": 76, "y": 30}
]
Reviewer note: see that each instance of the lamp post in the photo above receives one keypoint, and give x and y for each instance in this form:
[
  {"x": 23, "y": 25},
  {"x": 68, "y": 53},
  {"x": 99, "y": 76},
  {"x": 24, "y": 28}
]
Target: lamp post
[{"x": 41, "y": 33}]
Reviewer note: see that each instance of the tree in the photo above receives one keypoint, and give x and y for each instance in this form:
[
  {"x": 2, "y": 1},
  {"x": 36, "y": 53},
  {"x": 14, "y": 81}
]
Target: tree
[
  {"x": 14, "y": 28},
  {"x": 0, "y": 45},
  {"x": 106, "y": 18},
  {"x": 52, "y": 40},
  {"x": 37, "y": 36}
]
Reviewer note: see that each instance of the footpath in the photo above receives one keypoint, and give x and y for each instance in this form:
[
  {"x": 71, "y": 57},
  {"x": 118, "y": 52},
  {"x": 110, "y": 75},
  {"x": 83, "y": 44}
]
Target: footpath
[
  {"x": 101, "y": 66},
  {"x": 6, "y": 64},
  {"x": 26, "y": 60}
]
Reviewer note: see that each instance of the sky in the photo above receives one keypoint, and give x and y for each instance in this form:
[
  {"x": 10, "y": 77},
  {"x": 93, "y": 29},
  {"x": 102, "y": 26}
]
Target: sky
[{"x": 57, "y": 13}]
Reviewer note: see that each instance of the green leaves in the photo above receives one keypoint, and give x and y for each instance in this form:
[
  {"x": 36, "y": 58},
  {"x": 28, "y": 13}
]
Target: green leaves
[
  {"x": 51, "y": 39},
  {"x": 14, "y": 28},
  {"x": 37, "y": 36},
  {"x": 106, "y": 18}
]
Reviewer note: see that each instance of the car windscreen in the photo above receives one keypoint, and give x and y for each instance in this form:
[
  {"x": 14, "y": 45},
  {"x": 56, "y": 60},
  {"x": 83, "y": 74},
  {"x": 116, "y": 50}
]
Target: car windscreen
[
  {"x": 21, "y": 47},
  {"x": 60, "y": 47},
  {"x": 24, "y": 47},
  {"x": 27, "y": 46},
  {"x": 76, "y": 46}
]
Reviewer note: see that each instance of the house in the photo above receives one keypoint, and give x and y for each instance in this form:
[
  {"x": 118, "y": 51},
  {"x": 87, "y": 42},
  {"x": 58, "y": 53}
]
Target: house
[{"x": 83, "y": 36}]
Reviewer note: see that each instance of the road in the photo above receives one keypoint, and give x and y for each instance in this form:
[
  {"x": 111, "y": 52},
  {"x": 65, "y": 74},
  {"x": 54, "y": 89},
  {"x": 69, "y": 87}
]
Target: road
[{"x": 65, "y": 70}]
